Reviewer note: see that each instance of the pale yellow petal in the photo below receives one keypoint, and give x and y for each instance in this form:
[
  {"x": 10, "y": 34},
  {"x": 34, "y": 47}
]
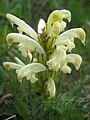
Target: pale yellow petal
[
  {"x": 75, "y": 59},
  {"x": 67, "y": 43},
  {"x": 19, "y": 61},
  {"x": 51, "y": 89},
  {"x": 53, "y": 17},
  {"x": 66, "y": 14},
  {"x": 11, "y": 65},
  {"x": 30, "y": 56},
  {"x": 41, "y": 26},
  {"x": 27, "y": 42},
  {"x": 30, "y": 69},
  {"x": 57, "y": 59},
  {"x": 22, "y": 26},
  {"x": 66, "y": 69},
  {"x": 72, "y": 33},
  {"x": 62, "y": 26},
  {"x": 55, "y": 30}
]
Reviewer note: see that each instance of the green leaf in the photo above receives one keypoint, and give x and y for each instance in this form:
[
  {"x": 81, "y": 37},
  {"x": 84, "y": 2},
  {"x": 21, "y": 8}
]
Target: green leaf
[
  {"x": 22, "y": 109},
  {"x": 77, "y": 111},
  {"x": 74, "y": 113}
]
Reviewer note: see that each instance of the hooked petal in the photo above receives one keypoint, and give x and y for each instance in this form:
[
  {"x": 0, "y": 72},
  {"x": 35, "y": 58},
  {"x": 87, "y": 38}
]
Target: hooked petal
[
  {"x": 72, "y": 33},
  {"x": 22, "y": 26},
  {"x": 29, "y": 70},
  {"x": 66, "y": 14},
  {"x": 27, "y": 42},
  {"x": 75, "y": 59},
  {"x": 31, "y": 77}
]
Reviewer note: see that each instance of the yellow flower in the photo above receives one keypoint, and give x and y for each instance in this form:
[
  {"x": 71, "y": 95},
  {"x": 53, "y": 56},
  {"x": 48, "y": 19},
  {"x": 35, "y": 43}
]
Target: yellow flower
[
  {"x": 72, "y": 33},
  {"x": 22, "y": 26},
  {"x": 29, "y": 71},
  {"x": 23, "y": 70},
  {"x": 26, "y": 43},
  {"x": 50, "y": 88},
  {"x": 75, "y": 59},
  {"x": 57, "y": 59},
  {"x": 41, "y": 26},
  {"x": 66, "y": 14}
]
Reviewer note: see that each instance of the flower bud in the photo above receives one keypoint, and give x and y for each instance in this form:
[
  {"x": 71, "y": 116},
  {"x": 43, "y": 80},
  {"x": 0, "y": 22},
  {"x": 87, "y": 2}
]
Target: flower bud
[{"x": 53, "y": 17}]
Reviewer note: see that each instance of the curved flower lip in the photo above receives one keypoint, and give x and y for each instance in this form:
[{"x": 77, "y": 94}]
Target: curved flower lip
[
  {"x": 12, "y": 65},
  {"x": 66, "y": 14},
  {"x": 72, "y": 33},
  {"x": 22, "y": 26},
  {"x": 30, "y": 69},
  {"x": 28, "y": 42},
  {"x": 74, "y": 59}
]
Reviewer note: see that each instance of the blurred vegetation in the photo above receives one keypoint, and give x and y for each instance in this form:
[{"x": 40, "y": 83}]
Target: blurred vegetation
[{"x": 75, "y": 87}]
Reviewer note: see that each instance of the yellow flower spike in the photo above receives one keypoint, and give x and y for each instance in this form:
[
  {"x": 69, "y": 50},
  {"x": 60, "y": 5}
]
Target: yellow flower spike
[
  {"x": 75, "y": 59},
  {"x": 72, "y": 33},
  {"x": 53, "y": 17},
  {"x": 22, "y": 26},
  {"x": 66, "y": 14},
  {"x": 51, "y": 89},
  {"x": 48, "y": 42}
]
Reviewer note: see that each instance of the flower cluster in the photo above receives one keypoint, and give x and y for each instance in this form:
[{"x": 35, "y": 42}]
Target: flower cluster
[{"x": 49, "y": 49}]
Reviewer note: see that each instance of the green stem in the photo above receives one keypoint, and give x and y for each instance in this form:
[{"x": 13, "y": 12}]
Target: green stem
[
  {"x": 80, "y": 86},
  {"x": 61, "y": 84},
  {"x": 31, "y": 102}
]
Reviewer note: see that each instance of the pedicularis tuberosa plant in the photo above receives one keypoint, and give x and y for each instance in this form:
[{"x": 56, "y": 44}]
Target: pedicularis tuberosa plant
[{"x": 49, "y": 49}]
